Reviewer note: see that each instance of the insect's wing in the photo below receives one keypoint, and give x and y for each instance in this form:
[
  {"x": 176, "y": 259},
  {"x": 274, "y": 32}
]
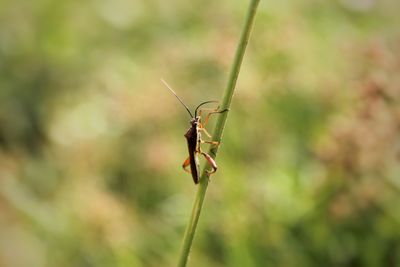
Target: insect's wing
[{"x": 191, "y": 137}]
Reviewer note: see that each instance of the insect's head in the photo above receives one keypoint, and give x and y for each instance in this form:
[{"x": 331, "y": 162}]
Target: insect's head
[{"x": 195, "y": 121}]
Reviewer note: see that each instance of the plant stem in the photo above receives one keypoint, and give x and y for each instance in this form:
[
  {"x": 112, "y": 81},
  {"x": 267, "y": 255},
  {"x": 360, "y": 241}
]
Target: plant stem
[{"x": 217, "y": 135}]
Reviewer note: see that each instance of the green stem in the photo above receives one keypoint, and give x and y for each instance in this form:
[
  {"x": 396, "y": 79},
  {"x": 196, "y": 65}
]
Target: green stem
[{"x": 217, "y": 135}]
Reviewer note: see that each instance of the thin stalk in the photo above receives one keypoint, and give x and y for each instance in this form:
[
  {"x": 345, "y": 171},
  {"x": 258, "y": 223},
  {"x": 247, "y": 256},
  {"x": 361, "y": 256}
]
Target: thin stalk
[{"x": 217, "y": 135}]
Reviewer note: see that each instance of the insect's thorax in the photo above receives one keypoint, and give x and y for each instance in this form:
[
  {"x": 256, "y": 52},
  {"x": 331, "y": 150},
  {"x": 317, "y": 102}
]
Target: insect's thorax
[
  {"x": 193, "y": 134},
  {"x": 195, "y": 121}
]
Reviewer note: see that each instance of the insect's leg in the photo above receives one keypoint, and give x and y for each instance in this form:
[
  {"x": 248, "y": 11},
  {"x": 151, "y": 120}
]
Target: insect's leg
[
  {"x": 211, "y": 161},
  {"x": 202, "y": 125},
  {"x": 214, "y": 111},
  {"x": 204, "y": 130},
  {"x": 216, "y": 143},
  {"x": 201, "y": 128},
  {"x": 207, "y": 109},
  {"x": 185, "y": 164}
]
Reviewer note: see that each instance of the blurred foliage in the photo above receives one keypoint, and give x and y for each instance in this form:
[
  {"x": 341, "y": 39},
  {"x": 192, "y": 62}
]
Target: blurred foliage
[{"x": 91, "y": 143}]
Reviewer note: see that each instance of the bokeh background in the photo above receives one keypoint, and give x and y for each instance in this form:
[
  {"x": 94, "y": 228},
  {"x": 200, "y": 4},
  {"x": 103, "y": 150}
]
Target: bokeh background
[{"x": 91, "y": 142}]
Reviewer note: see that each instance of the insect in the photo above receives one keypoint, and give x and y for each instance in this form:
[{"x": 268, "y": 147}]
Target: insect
[{"x": 194, "y": 140}]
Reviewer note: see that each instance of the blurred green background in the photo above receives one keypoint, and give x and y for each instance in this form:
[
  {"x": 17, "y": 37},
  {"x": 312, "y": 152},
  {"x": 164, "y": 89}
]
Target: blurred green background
[{"x": 91, "y": 143}]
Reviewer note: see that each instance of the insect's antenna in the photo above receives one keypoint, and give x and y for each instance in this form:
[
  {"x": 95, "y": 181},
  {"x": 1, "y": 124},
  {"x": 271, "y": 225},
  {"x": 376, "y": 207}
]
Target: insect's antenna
[
  {"x": 180, "y": 100},
  {"x": 206, "y": 102}
]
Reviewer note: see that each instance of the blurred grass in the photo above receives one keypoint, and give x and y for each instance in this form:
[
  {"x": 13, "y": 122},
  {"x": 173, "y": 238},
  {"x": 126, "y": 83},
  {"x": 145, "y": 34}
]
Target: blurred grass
[{"x": 91, "y": 144}]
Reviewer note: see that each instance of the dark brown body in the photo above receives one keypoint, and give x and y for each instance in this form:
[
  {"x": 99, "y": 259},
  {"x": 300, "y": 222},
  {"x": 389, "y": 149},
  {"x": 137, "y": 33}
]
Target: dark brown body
[{"x": 192, "y": 137}]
